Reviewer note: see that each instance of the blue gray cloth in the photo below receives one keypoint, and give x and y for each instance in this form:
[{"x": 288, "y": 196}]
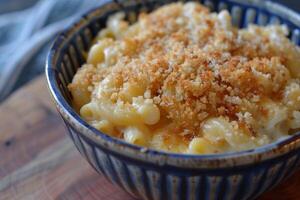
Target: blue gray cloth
[{"x": 27, "y": 28}]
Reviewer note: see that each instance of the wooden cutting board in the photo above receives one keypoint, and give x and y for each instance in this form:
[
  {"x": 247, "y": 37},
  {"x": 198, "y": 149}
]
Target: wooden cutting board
[{"x": 38, "y": 160}]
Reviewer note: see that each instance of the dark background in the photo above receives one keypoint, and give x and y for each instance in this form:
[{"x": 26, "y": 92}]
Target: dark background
[{"x": 294, "y": 4}]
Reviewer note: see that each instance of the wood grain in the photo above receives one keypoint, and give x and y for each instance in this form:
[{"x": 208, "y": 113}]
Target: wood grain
[{"x": 39, "y": 161}]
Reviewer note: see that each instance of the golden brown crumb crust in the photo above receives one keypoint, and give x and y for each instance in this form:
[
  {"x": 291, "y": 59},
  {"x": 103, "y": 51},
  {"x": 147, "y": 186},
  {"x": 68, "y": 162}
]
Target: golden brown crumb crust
[{"x": 196, "y": 68}]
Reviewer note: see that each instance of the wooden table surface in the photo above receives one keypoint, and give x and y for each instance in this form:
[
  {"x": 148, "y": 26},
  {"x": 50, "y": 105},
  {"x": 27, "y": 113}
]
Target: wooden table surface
[{"x": 38, "y": 160}]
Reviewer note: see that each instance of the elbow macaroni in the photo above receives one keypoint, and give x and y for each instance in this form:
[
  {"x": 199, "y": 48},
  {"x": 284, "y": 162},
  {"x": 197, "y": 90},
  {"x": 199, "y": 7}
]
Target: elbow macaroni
[{"x": 184, "y": 80}]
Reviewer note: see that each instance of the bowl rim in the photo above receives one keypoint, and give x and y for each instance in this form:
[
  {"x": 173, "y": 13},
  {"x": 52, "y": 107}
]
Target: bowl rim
[{"x": 121, "y": 147}]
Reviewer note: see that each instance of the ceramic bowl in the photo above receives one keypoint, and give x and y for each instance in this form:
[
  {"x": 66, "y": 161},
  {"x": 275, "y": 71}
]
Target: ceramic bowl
[{"x": 150, "y": 174}]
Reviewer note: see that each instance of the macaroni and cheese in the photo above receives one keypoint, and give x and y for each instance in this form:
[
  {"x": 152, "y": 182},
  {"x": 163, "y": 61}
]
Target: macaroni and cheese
[{"x": 182, "y": 79}]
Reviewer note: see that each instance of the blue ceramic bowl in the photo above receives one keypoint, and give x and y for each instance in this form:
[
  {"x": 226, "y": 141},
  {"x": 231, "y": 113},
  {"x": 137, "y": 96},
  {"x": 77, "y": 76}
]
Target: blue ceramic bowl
[{"x": 150, "y": 174}]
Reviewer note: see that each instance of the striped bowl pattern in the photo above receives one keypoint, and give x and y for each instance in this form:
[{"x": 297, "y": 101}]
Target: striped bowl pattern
[{"x": 150, "y": 174}]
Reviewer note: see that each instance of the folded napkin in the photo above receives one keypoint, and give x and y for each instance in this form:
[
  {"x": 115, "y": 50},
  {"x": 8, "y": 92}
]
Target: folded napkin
[{"x": 25, "y": 36}]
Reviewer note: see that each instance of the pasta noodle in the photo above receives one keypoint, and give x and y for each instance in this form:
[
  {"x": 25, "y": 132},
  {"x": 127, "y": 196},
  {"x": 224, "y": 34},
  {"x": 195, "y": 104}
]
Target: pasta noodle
[{"x": 182, "y": 79}]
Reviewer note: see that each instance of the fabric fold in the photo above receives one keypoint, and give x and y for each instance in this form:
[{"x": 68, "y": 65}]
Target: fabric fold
[{"x": 24, "y": 33}]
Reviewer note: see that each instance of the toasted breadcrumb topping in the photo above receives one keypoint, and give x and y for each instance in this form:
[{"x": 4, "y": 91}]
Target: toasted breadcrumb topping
[{"x": 195, "y": 65}]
